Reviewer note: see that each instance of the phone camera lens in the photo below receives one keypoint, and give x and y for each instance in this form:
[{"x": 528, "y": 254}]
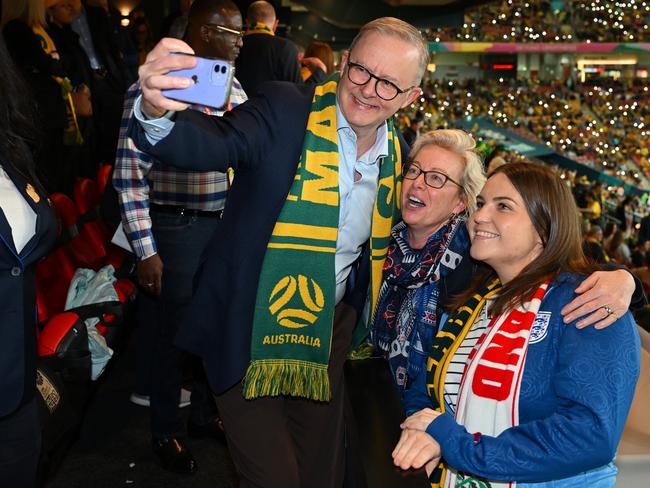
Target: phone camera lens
[{"x": 223, "y": 70}]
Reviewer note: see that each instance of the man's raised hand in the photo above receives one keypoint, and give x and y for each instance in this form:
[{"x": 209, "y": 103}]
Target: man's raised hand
[{"x": 154, "y": 76}]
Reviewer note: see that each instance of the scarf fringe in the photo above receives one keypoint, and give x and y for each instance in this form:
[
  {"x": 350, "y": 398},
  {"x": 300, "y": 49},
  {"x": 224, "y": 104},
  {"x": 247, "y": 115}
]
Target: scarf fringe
[{"x": 275, "y": 377}]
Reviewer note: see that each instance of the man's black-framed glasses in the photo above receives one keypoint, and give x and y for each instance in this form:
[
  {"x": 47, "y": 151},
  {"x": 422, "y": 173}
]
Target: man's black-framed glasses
[
  {"x": 227, "y": 30},
  {"x": 386, "y": 90},
  {"x": 434, "y": 178}
]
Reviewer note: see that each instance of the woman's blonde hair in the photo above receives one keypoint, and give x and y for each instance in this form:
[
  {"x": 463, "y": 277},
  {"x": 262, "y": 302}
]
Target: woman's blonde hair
[
  {"x": 31, "y": 12},
  {"x": 463, "y": 144}
]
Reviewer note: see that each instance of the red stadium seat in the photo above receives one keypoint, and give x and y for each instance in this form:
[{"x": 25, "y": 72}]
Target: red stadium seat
[
  {"x": 63, "y": 344},
  {"x": 86, "y": 195},
  {"x": 57, "y": 331},
  {"x": 55, "y": 271},
  {"x": 103, "y": 176},
  {"x": 65, "y": 209},
  {"x": 87, "y": 199},
  {"x": 53, "y": 276},
  {"x": 84, "y": 243},
  {"x": 81, "y": 245}
]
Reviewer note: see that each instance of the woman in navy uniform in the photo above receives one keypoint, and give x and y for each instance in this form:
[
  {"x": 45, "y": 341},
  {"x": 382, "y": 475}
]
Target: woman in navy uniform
[{"x": 27, "y": 231}]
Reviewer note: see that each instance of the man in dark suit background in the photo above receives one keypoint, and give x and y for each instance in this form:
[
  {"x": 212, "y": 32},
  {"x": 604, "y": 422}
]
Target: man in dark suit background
[
  {"x": 110, "y": 75},
  {"x": 265, "y": 56}
]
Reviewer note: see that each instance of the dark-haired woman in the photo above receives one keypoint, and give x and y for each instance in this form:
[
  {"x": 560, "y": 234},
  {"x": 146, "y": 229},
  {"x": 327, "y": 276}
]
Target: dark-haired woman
[
  {"x": 27, "y": 231},
  {"x": 317, "y": 55},
  {"x": 511, "y": 394}
]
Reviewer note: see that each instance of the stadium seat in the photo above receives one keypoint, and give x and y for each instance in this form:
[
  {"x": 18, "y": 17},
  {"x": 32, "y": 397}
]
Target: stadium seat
[
  {"x": 53, "y": 276},
  {"x": 84, "y": 243},
  {"x": 65, "y": 210},
  {"x": 87, "y": 200},
  {"x": 55, "y": 271},
  {"x": 103, "y": 176},
  {"x": 59, "y": 334}
]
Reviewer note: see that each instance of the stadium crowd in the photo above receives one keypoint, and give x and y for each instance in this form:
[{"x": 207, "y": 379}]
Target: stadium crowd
[
  {"x": 601, "y": 124},
  {"x": 546, "y": 21}
]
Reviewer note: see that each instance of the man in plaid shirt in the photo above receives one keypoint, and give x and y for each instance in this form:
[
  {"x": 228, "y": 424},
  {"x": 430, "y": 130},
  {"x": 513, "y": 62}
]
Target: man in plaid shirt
[{"x": 169, "y": 216}]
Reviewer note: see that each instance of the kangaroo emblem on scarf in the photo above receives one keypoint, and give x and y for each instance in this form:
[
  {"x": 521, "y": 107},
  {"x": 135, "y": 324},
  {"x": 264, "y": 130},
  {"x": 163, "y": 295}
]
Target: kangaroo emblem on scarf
[{"x": 294, "y": 307}]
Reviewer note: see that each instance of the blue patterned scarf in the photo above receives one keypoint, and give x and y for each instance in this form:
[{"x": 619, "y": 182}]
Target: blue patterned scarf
[{"x": 407, "y": 307}]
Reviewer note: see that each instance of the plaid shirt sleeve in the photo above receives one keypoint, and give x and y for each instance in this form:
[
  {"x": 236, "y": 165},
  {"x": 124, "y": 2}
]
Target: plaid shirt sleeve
[{"x": 130, "y": 181}]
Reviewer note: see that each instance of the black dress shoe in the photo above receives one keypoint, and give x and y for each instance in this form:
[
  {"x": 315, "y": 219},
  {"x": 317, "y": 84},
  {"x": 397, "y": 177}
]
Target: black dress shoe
[
  {"x": 174, "y": 456},
  {"x": 213, "y": 429}
]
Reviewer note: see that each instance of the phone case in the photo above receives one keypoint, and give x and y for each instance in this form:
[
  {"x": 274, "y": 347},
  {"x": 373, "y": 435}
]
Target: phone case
[{"x": 212, "y": 83}]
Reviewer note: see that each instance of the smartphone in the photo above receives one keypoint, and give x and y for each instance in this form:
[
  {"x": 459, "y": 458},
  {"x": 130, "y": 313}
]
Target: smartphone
[{"x": 212, "y": 82}]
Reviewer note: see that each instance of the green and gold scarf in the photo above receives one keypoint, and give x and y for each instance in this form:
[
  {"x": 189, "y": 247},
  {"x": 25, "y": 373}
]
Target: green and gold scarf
[
  {"x": 294, "y": 308},
  {"x": 444, "y": 347},
  {"x": 259, "y": 28}
]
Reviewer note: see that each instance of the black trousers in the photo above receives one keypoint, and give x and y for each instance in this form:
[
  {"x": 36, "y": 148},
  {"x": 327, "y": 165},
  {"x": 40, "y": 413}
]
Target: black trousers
[
  {"x": 288, "y": 442},
  {"x": 181, "y": 240},
  {"x": 20, "y": 446}
]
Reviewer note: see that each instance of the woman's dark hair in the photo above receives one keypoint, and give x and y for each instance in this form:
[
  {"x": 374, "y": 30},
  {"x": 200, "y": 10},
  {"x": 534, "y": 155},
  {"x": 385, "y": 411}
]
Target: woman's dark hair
[
  {"x": 554, "y": 215},
  {"x": 18, "y": 134},
  {"x": 617, "y": 239},
  {"x": 322, "y": 51}
]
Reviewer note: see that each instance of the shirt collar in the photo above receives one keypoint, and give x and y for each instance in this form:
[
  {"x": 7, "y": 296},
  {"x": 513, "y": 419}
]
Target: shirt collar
[{"x": 378, "y": 150}]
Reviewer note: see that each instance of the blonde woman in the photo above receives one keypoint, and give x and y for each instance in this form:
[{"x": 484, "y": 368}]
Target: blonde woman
[{"x": 428, "y": 247}]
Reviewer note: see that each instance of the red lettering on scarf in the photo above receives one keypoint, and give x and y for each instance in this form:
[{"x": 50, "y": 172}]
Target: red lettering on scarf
[
  {"x": 495, "y": 382},
  {"x": 501, "y": 350},
  {"x": 500, "y": 382}
]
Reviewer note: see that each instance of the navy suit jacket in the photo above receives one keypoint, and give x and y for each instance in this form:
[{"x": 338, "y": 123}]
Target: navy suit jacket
[
  {"x": 266, "y": 58},
  {"x": 18, "y": 319},
  {"x": 262, "y": 140},
  {"x": 107, "y": 47}
]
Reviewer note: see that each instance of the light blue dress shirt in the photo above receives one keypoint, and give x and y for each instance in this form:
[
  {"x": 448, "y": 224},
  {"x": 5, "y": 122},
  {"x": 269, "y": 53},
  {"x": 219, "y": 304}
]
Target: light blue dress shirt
[{"x": 356, "y": 198}]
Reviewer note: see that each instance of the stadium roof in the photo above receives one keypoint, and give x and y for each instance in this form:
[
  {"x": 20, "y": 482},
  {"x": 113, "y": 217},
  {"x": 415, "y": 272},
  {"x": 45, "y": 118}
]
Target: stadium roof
[{"x": 337, "y": 21}]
